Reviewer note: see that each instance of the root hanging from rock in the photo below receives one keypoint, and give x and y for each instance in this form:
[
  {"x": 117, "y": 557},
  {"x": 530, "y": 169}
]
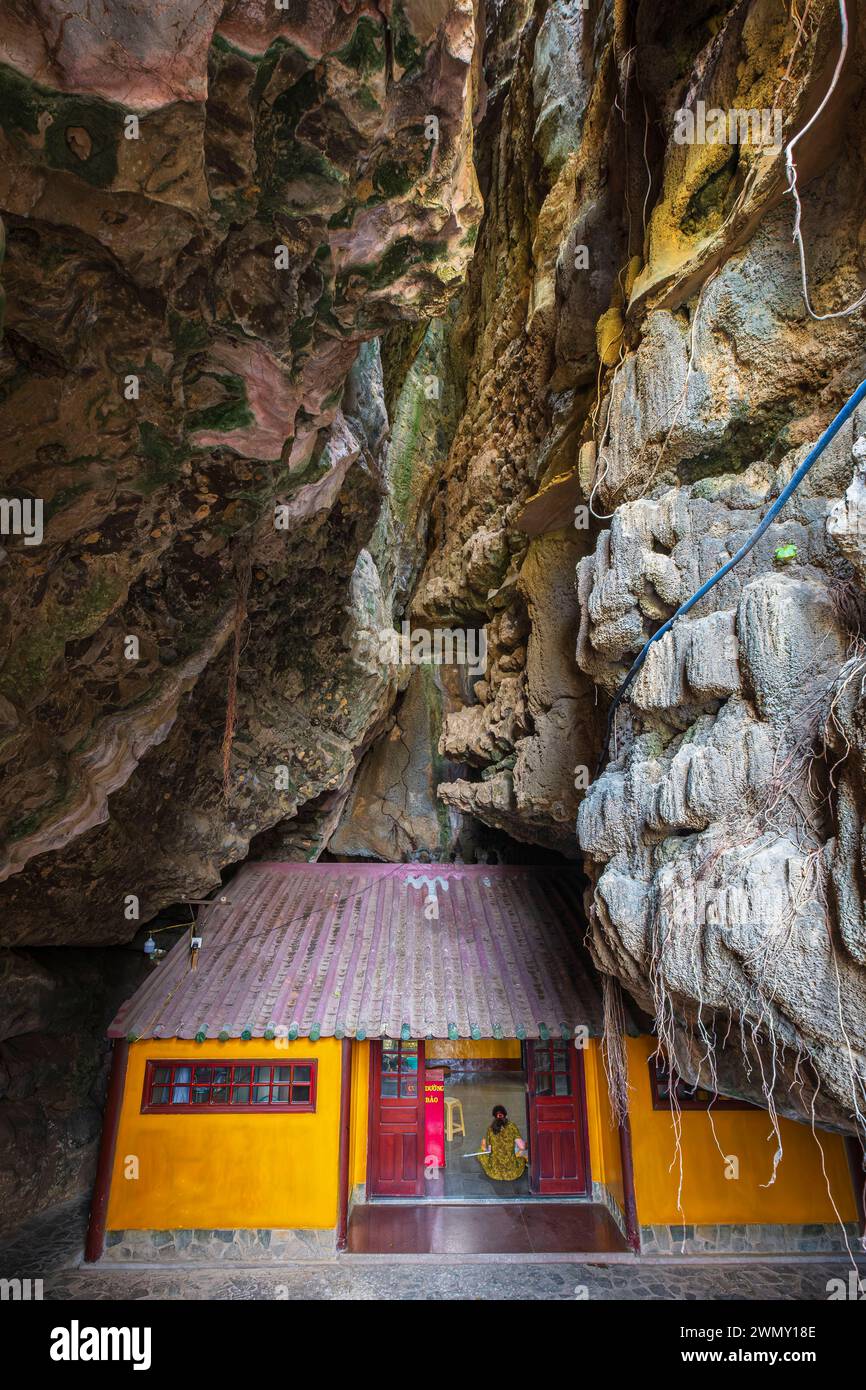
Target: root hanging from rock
[
  {"x": 791, "y": 170},
  {"x": 243, "y": 575},
  {"x": 613, "y": 1048},
  {"x": 827, "y": 1179}
]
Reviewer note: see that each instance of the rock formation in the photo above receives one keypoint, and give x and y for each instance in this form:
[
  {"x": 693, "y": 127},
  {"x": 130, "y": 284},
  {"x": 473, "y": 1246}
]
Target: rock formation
[
  {"x": 207, "y": 217},
  {"x": 281, "y": 388}
]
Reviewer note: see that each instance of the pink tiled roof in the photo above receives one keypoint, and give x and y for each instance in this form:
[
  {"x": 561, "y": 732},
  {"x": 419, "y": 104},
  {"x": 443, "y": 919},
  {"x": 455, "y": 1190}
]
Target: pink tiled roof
[{"x": 357, "y": 950}]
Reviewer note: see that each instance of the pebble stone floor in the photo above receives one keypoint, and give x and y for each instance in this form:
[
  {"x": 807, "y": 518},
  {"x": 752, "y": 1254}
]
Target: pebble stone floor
[{"x": 50, "y": 1248}]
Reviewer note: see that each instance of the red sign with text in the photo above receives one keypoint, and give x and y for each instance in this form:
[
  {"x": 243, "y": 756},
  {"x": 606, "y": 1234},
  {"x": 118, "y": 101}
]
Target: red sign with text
[{"x": 434, "y": 1121}]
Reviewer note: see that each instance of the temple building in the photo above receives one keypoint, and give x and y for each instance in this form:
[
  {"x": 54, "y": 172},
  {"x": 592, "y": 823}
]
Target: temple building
[{"x": 320, "y": 1075}]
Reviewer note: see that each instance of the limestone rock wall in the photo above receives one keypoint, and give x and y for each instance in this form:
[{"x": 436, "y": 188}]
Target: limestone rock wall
[
  {"x": 639, "y": 359},
  {"x": 210, "y": 214},
  {"x": 548, "y": 424},
  {"x": 724, "y": 835},
  {"x": 54, "y": 1008}
]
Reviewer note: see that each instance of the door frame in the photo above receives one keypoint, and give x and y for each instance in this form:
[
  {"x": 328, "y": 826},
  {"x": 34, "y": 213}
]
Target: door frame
[
  {"x": 581, "y": 1124},
  {"x": 374, "y": 1075},
  {"x": 578, "y": 1073}
]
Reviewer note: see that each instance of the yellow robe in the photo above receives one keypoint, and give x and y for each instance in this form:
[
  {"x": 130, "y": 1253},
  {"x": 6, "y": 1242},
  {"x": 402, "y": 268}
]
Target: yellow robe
[{"x": 502, "y": 1163}]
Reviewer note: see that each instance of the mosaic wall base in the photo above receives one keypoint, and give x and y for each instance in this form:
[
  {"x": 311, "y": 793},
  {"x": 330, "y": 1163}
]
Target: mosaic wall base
[
  {"x": 746, "y": 1240},
  {"x": 218, "y": 1246}
]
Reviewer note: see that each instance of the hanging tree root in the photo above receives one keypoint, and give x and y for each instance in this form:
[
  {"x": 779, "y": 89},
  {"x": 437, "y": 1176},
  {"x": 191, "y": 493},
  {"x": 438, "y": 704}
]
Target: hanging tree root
[
  {"x": 613, "y": 1048},
  {"x": 243, "y": 575}
]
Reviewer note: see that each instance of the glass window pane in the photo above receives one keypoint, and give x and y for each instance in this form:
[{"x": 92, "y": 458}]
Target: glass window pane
[
  {"x": 389, "y": 1086},
  {"x": 409, "y": 1086},
  {"x": 390, "y": 1045},
  {"x": 542, "y": 1083},
  {"x": 407, "y": 1047},
  {"x": 210, "y": 1084},
  {"x": 562, "y": 1084},
  {"x": 180, "y": 1093}
]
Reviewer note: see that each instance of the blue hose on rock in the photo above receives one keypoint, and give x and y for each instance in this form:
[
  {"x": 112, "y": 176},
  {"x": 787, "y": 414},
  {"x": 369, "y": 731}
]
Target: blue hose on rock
[{"x": 796, "y": 478}]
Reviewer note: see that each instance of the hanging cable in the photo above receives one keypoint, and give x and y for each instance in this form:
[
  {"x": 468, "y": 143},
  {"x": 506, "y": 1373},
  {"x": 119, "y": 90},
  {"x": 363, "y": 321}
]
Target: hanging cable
[{"x": 796, "y": 478}]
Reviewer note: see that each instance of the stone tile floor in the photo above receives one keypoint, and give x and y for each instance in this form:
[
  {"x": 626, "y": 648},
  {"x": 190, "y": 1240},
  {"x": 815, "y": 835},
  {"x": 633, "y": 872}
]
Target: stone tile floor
[
  {"x": 50, "y": 1248},
  {"x": 416, "y": 1281}
]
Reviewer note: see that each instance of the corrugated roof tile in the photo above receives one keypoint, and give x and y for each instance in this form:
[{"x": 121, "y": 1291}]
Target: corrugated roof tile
[{"x": 371, "y": 950}]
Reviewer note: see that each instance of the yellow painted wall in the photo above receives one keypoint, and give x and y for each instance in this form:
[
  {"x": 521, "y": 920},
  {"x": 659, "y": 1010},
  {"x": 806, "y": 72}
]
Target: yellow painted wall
[
  {"x": 280, "y": 1170},
  {"x": 224, "y": 1170},
  {"x": 799, "y": 1193},
  {"x": 604, "y": 1151},
  {"x": 360, "y": 1113},
  {"x": 466, "y": 1048}
]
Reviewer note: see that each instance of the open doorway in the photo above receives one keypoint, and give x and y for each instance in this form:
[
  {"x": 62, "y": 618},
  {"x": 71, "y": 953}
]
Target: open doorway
[
  {"x": 437, "y": 1199},
  {"x": 472, "y": 1094},
  {"x": 431, "y": 1105}
]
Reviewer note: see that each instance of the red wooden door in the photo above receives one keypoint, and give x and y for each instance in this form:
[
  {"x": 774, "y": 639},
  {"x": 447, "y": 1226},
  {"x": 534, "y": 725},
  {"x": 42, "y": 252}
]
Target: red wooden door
[
  {"x": 396, "y": 1145},
  {"x": 559, "y": 1160}
]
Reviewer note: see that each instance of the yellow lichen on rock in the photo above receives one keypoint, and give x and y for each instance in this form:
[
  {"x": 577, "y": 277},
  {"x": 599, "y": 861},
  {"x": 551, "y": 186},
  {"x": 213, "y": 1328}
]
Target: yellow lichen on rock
[{"x": 608, "y": 336}]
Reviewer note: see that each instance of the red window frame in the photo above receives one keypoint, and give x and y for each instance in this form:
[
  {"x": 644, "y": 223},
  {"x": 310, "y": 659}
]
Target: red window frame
[
  {"x": 662, "y": 1077},
  {"x": 209, "y": 1107}
]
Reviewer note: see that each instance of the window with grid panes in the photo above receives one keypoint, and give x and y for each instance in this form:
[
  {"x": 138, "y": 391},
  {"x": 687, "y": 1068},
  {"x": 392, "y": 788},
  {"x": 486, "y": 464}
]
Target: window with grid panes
[
  {"x": 210, "y": 1086},
  {"x": 399, "y": 1069},
  {"x": 552, "y": 1068}
]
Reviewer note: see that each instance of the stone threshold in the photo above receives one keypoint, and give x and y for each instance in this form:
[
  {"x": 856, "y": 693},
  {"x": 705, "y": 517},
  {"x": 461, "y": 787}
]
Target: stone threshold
[
  {"x": 594, "y": 1258},
  {"x": 346, "y": 1258},
  {"x": 529, "y": 1200},
  {"x": 271, "y": 1248}
]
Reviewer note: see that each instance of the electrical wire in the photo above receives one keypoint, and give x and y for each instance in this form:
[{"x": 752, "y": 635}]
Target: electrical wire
[{"x": 796, "y": 478}]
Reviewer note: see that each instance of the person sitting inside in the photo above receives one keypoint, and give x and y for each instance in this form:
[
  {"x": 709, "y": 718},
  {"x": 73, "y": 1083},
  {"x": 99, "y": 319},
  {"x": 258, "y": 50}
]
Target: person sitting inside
[{"x": 503, "y": 1155}]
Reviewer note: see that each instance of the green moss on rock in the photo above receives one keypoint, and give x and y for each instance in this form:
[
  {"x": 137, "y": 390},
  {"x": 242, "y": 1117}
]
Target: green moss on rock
[
  {"x": 392, "y": 179},
  {"x": 365, "y": 51},
  {"x": 24, "y": 107},
  {"x": 407, "y": 49}
]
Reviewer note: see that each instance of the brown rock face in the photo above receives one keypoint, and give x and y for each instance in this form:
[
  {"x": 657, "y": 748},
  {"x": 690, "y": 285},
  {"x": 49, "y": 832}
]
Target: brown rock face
[
  {"x": 209, "y": 209},
  {"x": 636, "y": 346},
  {"x": 277, "y": 389},
  {"x": 723, "y": 834},
  {"x": 56, "y": 1006}
]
